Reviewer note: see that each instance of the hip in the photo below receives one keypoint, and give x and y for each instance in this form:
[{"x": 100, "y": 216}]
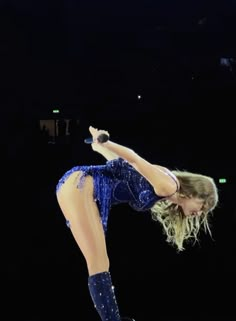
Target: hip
[{"x": 74, "y": 181}]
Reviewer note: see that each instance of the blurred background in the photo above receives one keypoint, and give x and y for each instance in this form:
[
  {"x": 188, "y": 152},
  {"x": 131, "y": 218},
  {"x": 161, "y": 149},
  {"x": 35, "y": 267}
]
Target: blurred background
[{"x": 160, "y": 77}]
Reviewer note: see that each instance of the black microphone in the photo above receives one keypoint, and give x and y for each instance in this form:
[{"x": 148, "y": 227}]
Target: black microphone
[{"x": 102, "y": 138}]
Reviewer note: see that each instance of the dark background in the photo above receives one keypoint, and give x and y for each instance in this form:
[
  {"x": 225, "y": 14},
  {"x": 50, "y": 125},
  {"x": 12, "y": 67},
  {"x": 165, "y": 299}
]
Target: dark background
[{"x": 91, "y": 59}]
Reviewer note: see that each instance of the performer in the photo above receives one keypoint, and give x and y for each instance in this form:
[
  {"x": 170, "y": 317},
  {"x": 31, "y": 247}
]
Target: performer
[{"x": 181, "y": 201}]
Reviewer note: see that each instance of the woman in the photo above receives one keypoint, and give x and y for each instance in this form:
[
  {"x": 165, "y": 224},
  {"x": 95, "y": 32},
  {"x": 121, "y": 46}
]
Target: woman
[{"x": 180, "y": 201}]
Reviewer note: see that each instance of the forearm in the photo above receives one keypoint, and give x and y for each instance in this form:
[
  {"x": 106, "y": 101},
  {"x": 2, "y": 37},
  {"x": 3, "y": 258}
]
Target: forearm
[
  {"x": 105, "y": 152},
  {"x": 110, "y": 149},
  {"x": 124, "y": 152}
]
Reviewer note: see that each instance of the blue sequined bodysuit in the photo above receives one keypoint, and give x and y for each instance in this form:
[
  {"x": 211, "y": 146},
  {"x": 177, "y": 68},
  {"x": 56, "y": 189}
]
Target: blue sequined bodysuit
[{"x": 114, "y": 183}]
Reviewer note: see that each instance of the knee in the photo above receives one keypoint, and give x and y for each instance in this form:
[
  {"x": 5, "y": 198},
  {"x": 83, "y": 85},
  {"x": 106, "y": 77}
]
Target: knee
[{"x": 98, "y": 264}]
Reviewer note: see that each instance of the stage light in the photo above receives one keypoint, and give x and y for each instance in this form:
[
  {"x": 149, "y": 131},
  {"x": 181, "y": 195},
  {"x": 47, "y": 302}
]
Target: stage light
[{"x": 222, "y": 180}]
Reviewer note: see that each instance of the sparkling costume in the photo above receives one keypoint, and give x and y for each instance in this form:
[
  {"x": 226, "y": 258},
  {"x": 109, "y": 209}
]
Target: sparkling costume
[{"x": 116, "y": 182}]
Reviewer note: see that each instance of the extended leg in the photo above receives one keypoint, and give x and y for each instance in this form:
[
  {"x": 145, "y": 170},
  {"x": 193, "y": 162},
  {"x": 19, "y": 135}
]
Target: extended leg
[{"x": 81, "y": 211}]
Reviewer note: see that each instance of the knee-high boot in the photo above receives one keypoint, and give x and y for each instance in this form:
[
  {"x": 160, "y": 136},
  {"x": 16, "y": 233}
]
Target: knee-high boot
[{"x": 103, "y": 296}]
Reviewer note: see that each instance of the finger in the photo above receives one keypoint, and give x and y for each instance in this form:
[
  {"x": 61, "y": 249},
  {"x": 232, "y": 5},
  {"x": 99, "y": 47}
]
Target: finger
[{"x": 92, "y": 130}]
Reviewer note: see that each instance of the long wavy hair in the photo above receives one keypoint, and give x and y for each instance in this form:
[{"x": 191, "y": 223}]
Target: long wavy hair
[{"x": 176, "y": 225}]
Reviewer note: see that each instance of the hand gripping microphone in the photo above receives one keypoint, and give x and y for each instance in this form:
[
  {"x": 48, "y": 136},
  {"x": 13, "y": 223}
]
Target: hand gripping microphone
[{"x": 102, "y": 138}]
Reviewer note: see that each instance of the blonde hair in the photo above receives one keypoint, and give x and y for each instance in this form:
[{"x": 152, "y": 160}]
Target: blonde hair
[{"x": 177, "y": 226}]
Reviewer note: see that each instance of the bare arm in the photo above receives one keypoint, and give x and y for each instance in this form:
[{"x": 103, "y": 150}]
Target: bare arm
[
  {"x": 109, "y": 155},
  {"x": 157, "y": 176},
  {"x": 163, "y": 184}
]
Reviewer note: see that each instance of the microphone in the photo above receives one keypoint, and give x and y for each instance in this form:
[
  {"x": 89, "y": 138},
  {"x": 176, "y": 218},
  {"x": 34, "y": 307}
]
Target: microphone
[{"x": 102, "y": 138}]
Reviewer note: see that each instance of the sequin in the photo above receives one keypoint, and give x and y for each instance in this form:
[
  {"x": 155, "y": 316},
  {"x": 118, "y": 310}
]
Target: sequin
[
  {"x": 102, "y": 294},
  {"x": 114, "y": 183}
]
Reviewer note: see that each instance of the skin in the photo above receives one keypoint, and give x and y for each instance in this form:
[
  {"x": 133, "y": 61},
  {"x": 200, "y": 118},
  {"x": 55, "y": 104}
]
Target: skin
[{"x": 79, "y": 207}]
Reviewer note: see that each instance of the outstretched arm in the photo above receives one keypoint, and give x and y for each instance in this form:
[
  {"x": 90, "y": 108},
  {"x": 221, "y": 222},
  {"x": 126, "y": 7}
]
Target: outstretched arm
[
  {"x": 163, "y": 184},
  {"x": 109, "y": 155},
  {"x": 159, "y": 177}
]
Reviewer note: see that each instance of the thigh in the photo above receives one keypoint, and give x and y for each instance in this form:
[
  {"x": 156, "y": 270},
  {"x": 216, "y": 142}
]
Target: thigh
[{"x": 79, "y": 207}]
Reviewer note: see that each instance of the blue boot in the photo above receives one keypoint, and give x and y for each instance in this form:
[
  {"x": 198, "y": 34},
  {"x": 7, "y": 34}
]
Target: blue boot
[{"x": 103, "y": 296}]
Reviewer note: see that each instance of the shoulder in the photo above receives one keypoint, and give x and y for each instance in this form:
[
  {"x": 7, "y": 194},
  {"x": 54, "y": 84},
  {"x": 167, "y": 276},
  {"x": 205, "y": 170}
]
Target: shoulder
[{"x": 171, "y": 174}]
